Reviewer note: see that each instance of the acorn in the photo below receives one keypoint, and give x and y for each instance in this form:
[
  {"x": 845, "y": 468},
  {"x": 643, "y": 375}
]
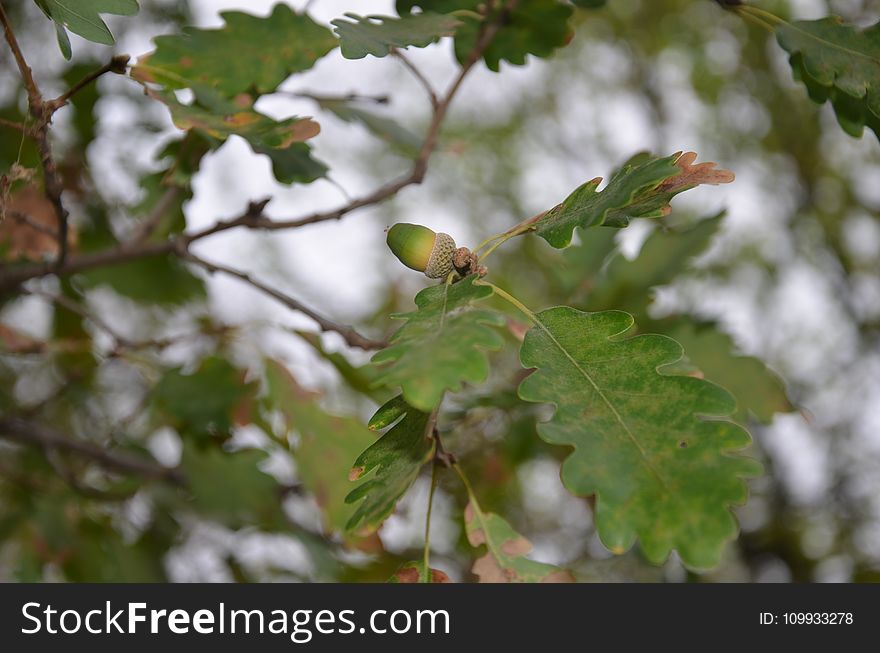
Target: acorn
[{"x": 421, "y": 249}]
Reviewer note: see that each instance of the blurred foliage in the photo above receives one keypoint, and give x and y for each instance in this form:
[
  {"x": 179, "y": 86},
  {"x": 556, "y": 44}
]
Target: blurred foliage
[{"x": 258, "y": 454}]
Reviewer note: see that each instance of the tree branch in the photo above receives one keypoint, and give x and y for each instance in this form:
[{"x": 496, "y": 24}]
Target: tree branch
[
  {"x": 27, "y": 432},
  {"x": 116, "y": 65},
  {"x": 411, "y": 67},
  {"x": 14, "y": 125},
  {"x": 352, "y": 337},
  {"x": 41, "y": 113}
]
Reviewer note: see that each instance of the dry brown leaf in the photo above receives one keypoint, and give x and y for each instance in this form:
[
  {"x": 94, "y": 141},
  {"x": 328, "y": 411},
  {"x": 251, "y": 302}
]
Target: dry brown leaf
[
  {"x": 30, "y": 222},
  {"x": 696, "y": 175}
]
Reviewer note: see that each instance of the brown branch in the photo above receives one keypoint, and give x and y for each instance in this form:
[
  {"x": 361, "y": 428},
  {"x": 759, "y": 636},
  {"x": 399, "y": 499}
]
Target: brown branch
[
  {"x": 27, "y": 432},
  {"x": 14, "y": 125},
  {"x": 420, "y": 78},
  {"x": 116, "y": 65},
  {"x": 40, "y": 132},
  {"x": 352, "y": 337},
  {"x": 29, "y": 222}
]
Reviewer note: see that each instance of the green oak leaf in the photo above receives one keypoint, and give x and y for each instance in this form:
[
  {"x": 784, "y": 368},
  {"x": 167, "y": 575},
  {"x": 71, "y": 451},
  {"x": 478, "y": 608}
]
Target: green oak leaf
[
  {"x": 642, "y": 188},
  {"x": 505, "y": 560},
  {"x": 249, "y": 54},
  {"x": 203, "y": 401},
  {"x": 656, "y": 450},
  {"x": 220, "y": 119},
  {"x": 442, "y": 345},
  {"x": 536, "y": 27},
  {"x": 416, "y": 572},
  {"x": 83, "y": 17},
  {"x": 327, "y": 443},
  {"x": 216, "y": 119},
  {"x": 377, "y": 35},
  {"x": 840, "y": 64},
  {"x": 397, "y": 458},
  {"x": 230, "y": 487}
]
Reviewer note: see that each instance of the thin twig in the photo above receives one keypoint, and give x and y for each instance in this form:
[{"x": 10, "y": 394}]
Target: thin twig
[
  {"x": 21, "y": 430},
  {"x": 411, "y": 67},
  {"x": 116, "y": 65},
  {"x": 29, "y": 222},
  {"x": 14, "y": 125},
  {"x": 352, "y": 337},
  {"x": 39, "y": 110}
]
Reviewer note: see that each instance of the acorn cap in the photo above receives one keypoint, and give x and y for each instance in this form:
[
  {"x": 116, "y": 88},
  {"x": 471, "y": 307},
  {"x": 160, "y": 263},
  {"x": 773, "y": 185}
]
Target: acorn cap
[{"x": 421, "y": 249}]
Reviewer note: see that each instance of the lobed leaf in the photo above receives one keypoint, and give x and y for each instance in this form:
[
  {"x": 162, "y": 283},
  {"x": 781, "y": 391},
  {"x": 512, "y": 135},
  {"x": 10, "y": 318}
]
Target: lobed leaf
[
  {"x": 442, "y": 345},
  {"x": 377, "y": 35},
  {"x": 327, "y": 443},
  {"x": 216, "y": 119},
  {"x": 397, "y": 457},
  {"x": 83, "y": 17},
  {"x": 642, "y": 188},
  {"x": 840, "y": 64},
  {"x": 249, "y": 54},
  {"x": 656, "y": 450},
  {"x": 505, "y": 560},
  {"x": 531, "y": 27}
]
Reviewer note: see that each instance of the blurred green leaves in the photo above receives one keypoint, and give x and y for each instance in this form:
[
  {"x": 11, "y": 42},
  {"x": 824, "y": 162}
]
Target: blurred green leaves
[
  {"x": 203, "y": 402},
  {"x": 326, "y": 446},
  {"x": 656, "y": 450}
]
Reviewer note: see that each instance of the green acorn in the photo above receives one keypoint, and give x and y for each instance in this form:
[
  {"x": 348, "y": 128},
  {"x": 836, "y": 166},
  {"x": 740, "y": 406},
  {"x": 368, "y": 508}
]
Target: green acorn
[{"x": 421, "y": 249}]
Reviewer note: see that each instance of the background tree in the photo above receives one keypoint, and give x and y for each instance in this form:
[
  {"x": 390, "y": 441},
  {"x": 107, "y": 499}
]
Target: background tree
[{"x": 181, "y": 396}]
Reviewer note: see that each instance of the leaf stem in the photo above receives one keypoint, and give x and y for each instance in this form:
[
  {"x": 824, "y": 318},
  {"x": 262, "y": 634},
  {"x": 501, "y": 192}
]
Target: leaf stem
[
  {"x": 759, "y": 17},
  {"x": 510, "y": 299},
  {"x": 499, "y": 239},
  {"x": 427, "y": 555}
]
